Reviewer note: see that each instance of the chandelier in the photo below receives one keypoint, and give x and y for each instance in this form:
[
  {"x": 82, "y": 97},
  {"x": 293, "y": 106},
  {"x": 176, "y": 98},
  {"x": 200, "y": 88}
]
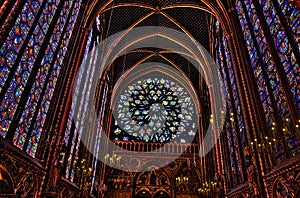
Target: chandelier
[
  {"x": 207, "y": 187},
  {"x": 113, "y": 160},
  {"x": 182, "y": 180}
]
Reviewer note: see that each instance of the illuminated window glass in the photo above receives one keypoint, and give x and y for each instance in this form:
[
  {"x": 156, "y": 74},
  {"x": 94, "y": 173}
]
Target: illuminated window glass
[
  {"x": 16, "y": 38},
  {"x": 81, "y": 104},
  {"x": 151, "y": 110},
  {"x": 265, "y": 72},
  {"x": 284, "y": 49},
  {"x": 234, "y": 125},
  {"x": 29, "y": 127},
  {"x": 292, "y": 16}
]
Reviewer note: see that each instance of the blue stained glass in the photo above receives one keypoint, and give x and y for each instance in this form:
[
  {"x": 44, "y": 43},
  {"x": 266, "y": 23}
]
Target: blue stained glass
[
  {"x": 11, "y": 47},
  {"x": 232, "y": 134},
  {"x": 47, "y": 16},
  {"x": 263, "y": 91},
  {"x": 55, "y": 72},
  {"x": 35, "y": 5},
  {"x": 292, "y": 16},
  {"x": 42, "y": 73},
  {"x": 284, "y": 48},
  {"x": 285, "y": 53},
  {"x": 31, "y": 53},
  {"x": 282, "y": 44}
]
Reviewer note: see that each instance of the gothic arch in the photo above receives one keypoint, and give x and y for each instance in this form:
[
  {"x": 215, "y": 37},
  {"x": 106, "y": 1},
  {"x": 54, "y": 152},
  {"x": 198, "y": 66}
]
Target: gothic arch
[
  {"x": 161, "y": 171},
  {"x": 281, "y": 189},
  {"x": 162, "y": 194},
  {"x": 6, "y": 182},
  {"x": 27, "y": 186},
  {"x": 156, "y": 182},
  {"x": 182, "y": 166},
  {"x": 143, "y": 194},
  {"x": 215, "y": 8}
]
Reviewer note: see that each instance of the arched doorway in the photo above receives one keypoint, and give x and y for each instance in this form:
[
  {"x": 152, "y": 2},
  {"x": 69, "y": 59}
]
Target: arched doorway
[
  {"x": 143, "y": 194},
  {"x": 161, "y": 194},
  {"x": 157, "y": 182},
  {"x": 187, "y": 183},
  {"x": 118, "y": 184}
]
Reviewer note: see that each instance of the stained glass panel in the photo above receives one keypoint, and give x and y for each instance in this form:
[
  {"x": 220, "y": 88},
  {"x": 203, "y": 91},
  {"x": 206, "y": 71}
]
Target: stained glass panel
[
  {"x": 47, "y": 72},
  {"x": 253, "y": 54},
  {"x": 292, "y": 16},
  {"x": 234, "y": 122},
  {"x": 284, "y": 48},
  {"x": 269, "y": 84},
  {"x": 155, "y": 110},
  {"x": 38, "y": 126},
  {"x": 17, "y": 85},
  {"x": 11, "y": 47}
]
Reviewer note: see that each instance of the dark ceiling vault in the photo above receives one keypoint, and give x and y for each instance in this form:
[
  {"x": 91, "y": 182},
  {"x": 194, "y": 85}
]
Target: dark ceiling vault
[{"x": 189, "y": 16}]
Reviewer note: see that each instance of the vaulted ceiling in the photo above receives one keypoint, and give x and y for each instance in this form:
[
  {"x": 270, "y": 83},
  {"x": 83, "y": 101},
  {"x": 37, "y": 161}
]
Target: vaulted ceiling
[{"x": 191, "y": 17}]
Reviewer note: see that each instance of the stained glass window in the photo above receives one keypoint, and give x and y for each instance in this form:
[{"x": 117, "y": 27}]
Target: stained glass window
[
  {"x": 292, "y": 16},
  {"x": 220, "y": 60},
  {"x": 235, "y": 94},
  {"x": 100, "y": 131},
  {"x": 11, "y": 47},
  {"x": 234, "y": 125},
  {"x": 155, "y": 110},
  {"x": 80, "y": 102},
  {"x": 283, "y": 46},
  {"x": 29, "y": 34},
  {"x": 17, "y": 85},
  {"x": 272, "y": 95}
]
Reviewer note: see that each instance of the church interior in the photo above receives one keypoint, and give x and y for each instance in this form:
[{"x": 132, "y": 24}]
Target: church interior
[{"x": 150, "y": 98}]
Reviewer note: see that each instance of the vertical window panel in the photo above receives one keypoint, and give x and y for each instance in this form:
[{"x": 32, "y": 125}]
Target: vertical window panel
[
  {"x": 38, "y": 126},
  {"x": 28, "y": 33},
  {"x": 253, "y": 54},
  {"x": 234, "y": 137},
  {"x": 11, "y": 47},
  {"x": 283, "y": 46},
  {"x": 75, "y": 142},
  {"x": 292, "y": 16},
  {"x": 266, "y": 74},
  {"x": 22, "y": 73}
]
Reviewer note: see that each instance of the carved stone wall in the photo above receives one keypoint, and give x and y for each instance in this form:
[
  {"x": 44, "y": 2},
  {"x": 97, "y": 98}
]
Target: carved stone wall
[
  {"x": 284, "y": 179},
  {"x": 157, "y": 182},
  {"x": 23, "y": 175},
  {"x": 282, "y": 182}
]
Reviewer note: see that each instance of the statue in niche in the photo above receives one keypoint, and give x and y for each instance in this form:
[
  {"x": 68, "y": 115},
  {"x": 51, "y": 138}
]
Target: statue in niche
[
  {"x": 163, "y": 180},
  {"x": 55, "y": 177},
  {"x": 250, "y": 173},
  {"x": 143, "y": 179},
  {"x": 255, "y": 189},
  {"x": 291, "y": 177},
  {"x": 181, "y": 188},
  {"x": 124, "y": 182},
  {"x": 115, "y": 184},
  {"x": 128, "y": 185},
  {"x": 251, "y": 180}
]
